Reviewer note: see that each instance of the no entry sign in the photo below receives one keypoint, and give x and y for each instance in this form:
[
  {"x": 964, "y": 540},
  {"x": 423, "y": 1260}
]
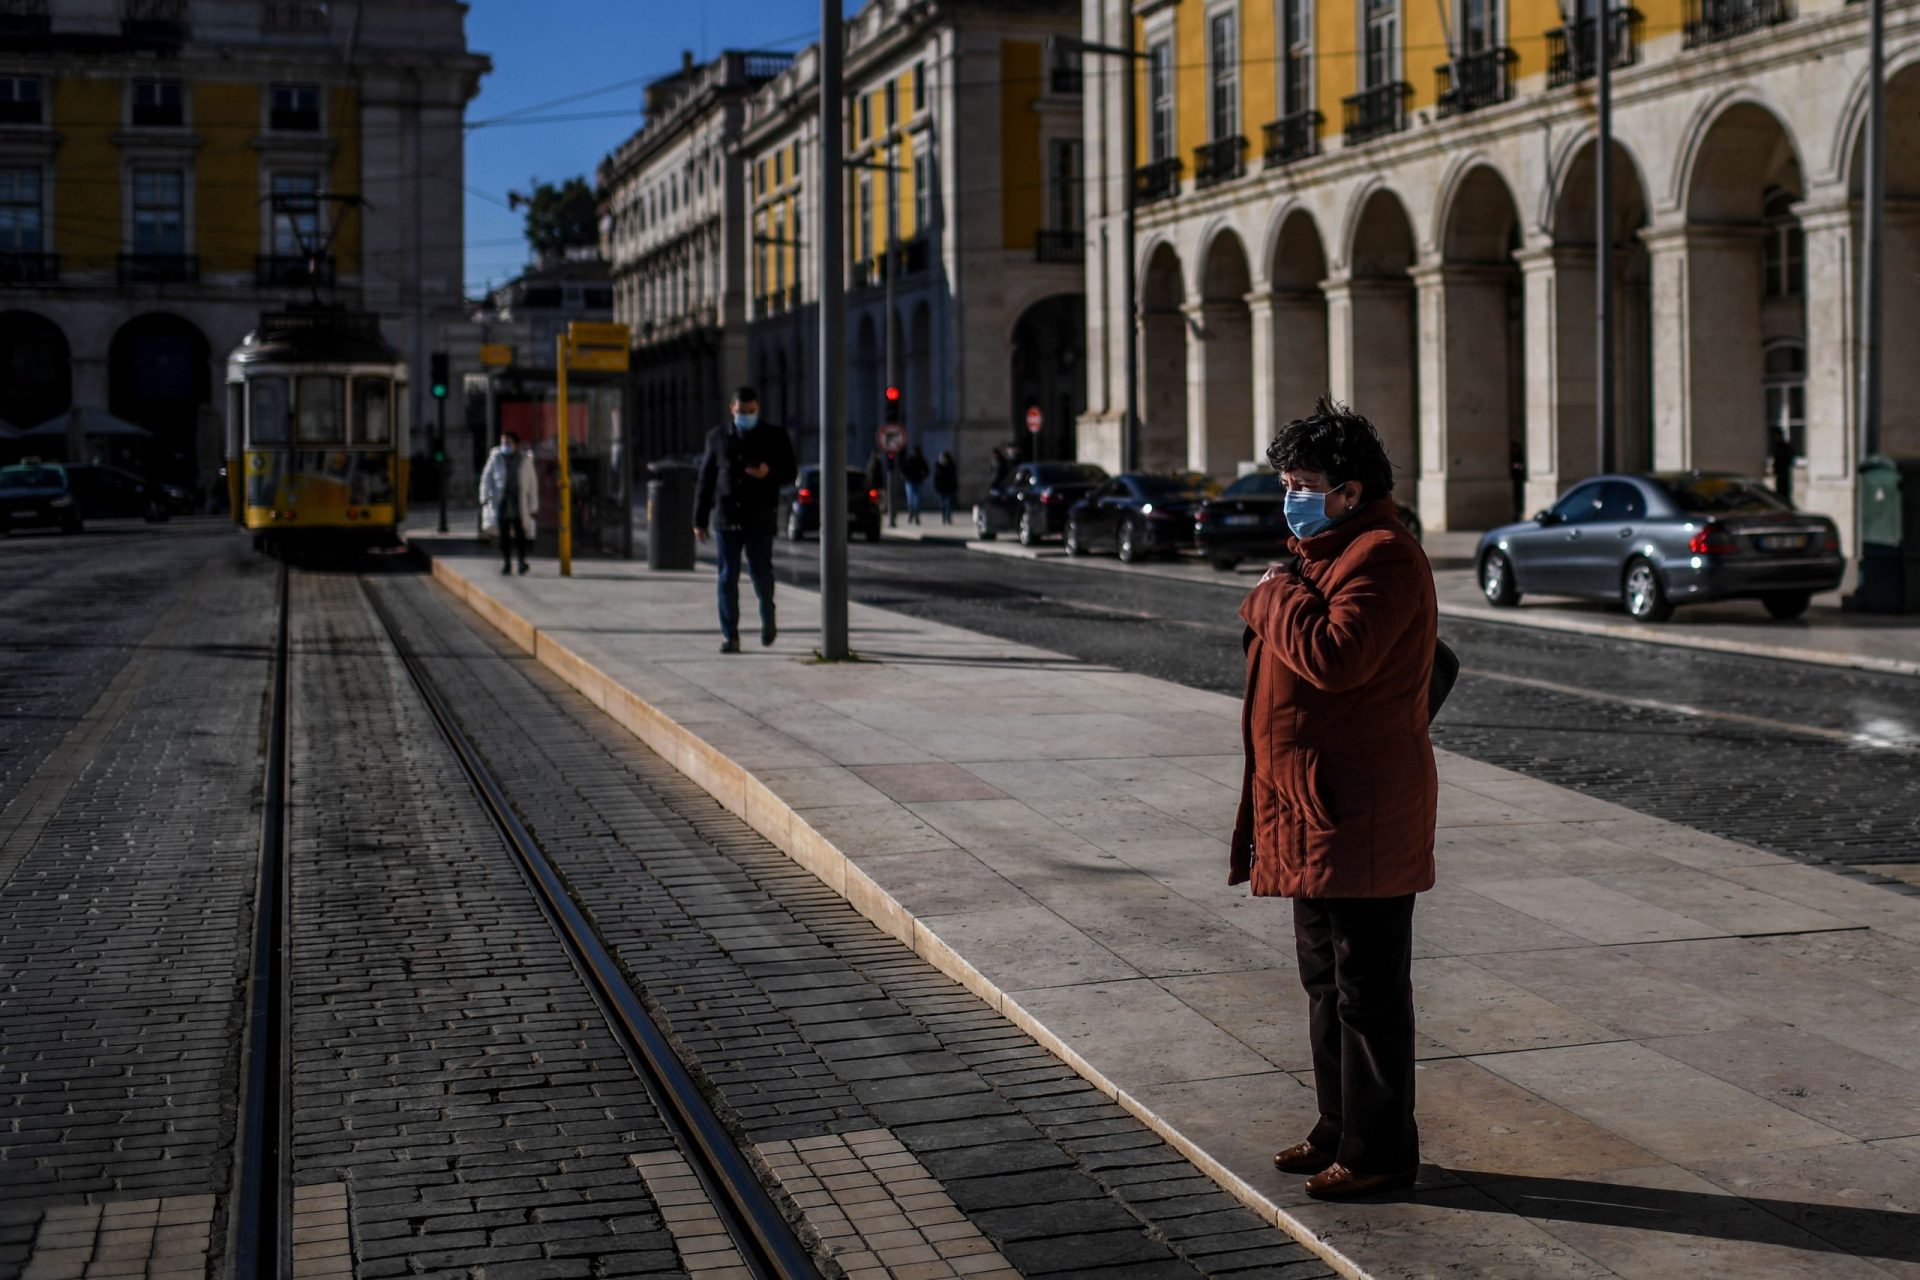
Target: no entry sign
[{"x": 1034, "y": 420}]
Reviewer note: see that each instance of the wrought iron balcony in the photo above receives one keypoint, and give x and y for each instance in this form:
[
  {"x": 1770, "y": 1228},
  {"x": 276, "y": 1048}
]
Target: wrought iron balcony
[
  {"x": 159, "y": 268},
  {"x": 1376, "y": 112},
  {"x": 1066, "y": 80},
  {"x": 1570, "y": 51},
  {"x": 1711, "y": 21},
  {"x": 1476, "y": 80},
  {"x": 1157, "y": 180},
  {"x": 296, "y": 15},
  {"x": 29, "y": 268},
  {"x": 1221, "y": 160},
  {"x": 154, "y": 21},
  {"x": 1293, "y": 137},
  {"x": 1059, "y": 246},
  {"x": 278, "y": 271}
]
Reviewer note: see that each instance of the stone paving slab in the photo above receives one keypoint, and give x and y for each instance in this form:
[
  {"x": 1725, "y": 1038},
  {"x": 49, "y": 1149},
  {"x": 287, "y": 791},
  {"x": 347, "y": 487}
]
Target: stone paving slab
[{"x": 1646, "y": 1051}]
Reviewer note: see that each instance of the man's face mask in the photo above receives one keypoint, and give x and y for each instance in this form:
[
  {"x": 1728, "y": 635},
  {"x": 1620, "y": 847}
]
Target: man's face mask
[
  {"x": 507, "y": 446},
  {"x": 745, "y": 420}
]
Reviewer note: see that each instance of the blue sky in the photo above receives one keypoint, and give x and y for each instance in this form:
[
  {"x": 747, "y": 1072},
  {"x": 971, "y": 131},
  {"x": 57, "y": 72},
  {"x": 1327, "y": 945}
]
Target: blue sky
[{"x": 543, "y": 50}]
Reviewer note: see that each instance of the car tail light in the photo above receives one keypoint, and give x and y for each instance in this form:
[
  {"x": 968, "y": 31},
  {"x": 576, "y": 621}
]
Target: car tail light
[
  {"x": 1051, "y": 498},
  {"x": 806, "y": 495},
  {"x": 1203, "y": 516},
  {"x": 1831, "y": 540},
  {"x": 1712, "y": 540}
]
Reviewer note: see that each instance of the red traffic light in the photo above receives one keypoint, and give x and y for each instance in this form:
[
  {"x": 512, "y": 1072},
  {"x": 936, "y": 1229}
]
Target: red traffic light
[{"x": 893, "y": 395}]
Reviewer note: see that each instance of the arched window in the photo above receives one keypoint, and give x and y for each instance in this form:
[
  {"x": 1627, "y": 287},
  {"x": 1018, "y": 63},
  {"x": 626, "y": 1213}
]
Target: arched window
[
  {"x": 1786, "y": 385},
  {"x": 1785, "y": 252}
]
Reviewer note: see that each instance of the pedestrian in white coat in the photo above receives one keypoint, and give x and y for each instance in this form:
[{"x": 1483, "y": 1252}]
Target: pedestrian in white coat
[{"x": 510, "y": 498}]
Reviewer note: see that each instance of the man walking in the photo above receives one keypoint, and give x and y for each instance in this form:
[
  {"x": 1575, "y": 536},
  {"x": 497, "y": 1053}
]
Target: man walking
[
  {"x": 1339, "y": 794},
  {"x": 509, "y": 498},
  {"x": 914, "y": 472},
  {"x": 746, "y": 464}
]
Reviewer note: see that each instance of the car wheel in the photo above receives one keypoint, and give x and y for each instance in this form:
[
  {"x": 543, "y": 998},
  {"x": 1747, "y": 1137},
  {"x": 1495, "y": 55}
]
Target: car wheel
[
  {"x": 1225, "y": 564},
  {"x": 1641, "y": 593},
  {"x": 1075, "y": 547},
  {"x": 1128, "y": 544},
  {"x": 1028, "y": 533},
  {"x": 74, "y": 525},
  {"x": 1787, "y": 604},
  {"x": 1496, "y": 581},
  {"x": 981, "y": 529}
]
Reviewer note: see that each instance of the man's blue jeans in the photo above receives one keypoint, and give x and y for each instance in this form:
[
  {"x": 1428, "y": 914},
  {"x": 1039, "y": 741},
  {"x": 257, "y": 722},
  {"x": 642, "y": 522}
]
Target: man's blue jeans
[{"x": 759, "y": 552}]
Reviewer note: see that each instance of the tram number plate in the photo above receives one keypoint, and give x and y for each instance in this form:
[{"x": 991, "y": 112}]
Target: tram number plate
[{"x": 1782, "y": 541}]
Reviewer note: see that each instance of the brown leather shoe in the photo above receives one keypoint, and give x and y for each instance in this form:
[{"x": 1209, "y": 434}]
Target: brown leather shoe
[
  {"x": 1337, "y": 1182},
  {"x": 1302, "y": 1157}
]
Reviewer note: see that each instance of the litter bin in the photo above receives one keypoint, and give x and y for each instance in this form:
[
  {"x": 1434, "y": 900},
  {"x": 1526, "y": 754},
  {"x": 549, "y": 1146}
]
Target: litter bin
[
  {"x": 1889, "y": 535},
  {"x": 669, "y": 515}
]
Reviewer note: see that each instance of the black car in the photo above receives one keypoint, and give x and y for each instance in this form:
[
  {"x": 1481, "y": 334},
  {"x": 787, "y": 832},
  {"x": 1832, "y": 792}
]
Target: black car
[
  {"x": 1035, "y": 499},
  {"x": 1249, "y": 522},
  {"x": 1137, "y": 514},
  {"x": 38, "y": 494},
  {"x": 800, "y": 503},
  {"x": 105, "y": 492},
  {"x": 1656, "y": 541}
]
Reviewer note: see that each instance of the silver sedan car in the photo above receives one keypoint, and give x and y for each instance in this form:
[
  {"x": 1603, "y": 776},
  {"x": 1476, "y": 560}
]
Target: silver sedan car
[{"x": 1656, "y": 541}]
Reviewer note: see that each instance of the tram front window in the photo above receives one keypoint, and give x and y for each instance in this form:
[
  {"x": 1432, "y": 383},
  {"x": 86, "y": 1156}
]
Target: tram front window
[
  {"x": 322, "y": 409},
  {"x": 267, "y": 410},
  {"x": 372, "y": 420}
]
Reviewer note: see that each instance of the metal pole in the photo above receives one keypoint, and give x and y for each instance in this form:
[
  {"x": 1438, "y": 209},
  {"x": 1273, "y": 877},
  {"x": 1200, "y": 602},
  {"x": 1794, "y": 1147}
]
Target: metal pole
[
  {"x": 833, "y": 341},
  {"x": 1873, "y": 231},
  {"x": 440, "y": 453},
  {"x": 560, "y": 355},
  {"x": 1130, "y": 424},
  {"x": 892, "y": 269},
  {"x": 1603, "y": 237}
]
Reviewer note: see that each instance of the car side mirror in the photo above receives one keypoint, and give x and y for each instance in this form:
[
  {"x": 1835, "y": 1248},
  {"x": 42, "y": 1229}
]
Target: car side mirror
[{"x": 1544, "y": 518}]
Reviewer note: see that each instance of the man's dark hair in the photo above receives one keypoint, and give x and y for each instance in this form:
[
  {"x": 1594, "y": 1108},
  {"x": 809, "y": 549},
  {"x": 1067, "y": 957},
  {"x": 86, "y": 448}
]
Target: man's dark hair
[
  {"x": 742, "y": 395},
  {"x": 1339, "y": 444},
  {"x": 510, "y": 435}
]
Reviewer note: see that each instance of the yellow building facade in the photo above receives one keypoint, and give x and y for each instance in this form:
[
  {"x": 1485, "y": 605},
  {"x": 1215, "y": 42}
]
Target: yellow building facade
[
  {"x": 1395, "y": 201},
  {"x": 169, "y": 171}
]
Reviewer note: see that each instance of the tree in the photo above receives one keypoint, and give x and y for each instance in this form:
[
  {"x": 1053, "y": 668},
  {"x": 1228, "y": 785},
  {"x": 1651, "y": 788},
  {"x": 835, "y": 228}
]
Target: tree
[{"x": 561, "y": 218}]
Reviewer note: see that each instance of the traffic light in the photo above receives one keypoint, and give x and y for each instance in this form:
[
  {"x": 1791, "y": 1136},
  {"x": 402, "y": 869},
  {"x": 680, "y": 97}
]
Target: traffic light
[
  {"x": 438, "y": 382},
  {"x": 893, "y": 404}
]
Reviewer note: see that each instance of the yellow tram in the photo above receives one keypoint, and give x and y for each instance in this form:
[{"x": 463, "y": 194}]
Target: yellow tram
[{"x": 317, "y": 430}]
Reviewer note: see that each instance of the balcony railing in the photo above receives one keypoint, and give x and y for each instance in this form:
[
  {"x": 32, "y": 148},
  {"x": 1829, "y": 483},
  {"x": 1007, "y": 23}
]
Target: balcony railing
[
  {"x": 1066, "y": 80},
  {"x": 1711, "y": 21},
  {"x": 24, "y": 18},
  {"x": 294, "y": 119},
  {"x": 1059, "y": 246},
  {"x": 296, "y": 15},
  {"x": 1476, "y": 80},
  {"x": 154, "y": 21},
  {"x": 1570, "y": 51},
  {"x": 29, "y": 268},
  {"x": 277, "y": 271},
  {"x": 1376, "y": 112},
  {"x": 1293, "y": 137},
  {"x": 1157, "y": 180},
  {"x": 159, "y": 268},
  {"x": 1221, "y": 160}
]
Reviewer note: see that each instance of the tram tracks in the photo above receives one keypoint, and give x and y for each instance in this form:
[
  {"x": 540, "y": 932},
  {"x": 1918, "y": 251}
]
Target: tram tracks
[{"x": 259, "y": 1234}]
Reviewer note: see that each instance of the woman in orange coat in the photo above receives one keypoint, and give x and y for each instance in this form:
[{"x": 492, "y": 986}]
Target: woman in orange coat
[{"x": 1338, "y": 801}]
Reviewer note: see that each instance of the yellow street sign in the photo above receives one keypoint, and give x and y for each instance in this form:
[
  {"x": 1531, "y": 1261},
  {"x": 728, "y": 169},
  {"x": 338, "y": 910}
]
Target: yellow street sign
[
  {"x": 597, "y": 359},
  {"x": 595, "y": 334},
  {"x": 496, "y": 355}
]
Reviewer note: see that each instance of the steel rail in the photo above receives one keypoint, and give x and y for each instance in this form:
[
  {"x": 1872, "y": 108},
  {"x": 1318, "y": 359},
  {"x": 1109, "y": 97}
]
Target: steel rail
[
  {"x": 259, "y": 1240},
  {"x": 764, "y": 1238}
]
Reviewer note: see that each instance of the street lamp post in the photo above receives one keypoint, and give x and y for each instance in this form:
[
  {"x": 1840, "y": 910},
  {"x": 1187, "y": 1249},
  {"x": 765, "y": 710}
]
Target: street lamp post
[
  {"x": 1130, "y": 425},
  {"x": 1603, "y": 235},
  {"x": 833, "y": 341}
]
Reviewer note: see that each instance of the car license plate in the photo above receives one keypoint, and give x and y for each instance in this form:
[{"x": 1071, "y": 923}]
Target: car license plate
[
  {"x": 1241, "y": 521},
  {"x": 1782, "y": 541}
]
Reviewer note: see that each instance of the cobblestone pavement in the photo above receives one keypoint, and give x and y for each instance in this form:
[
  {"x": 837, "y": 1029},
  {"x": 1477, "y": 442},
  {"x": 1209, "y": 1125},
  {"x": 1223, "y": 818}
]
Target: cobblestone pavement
[
  {"x": 135, "y": 685},
  {"x": 1800, "y": 794},
  {"x": 810, "y": 1027}
]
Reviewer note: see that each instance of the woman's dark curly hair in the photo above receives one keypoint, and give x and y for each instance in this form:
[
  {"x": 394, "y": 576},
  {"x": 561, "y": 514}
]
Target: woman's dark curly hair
[{"x": 1339, "y": 444}]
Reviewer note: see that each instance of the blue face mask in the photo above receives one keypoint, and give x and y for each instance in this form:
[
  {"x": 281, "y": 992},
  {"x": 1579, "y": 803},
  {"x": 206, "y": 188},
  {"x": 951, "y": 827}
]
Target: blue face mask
[
  {"x": 744, "y": 421},
  {"x": 1306, "y": 512}
]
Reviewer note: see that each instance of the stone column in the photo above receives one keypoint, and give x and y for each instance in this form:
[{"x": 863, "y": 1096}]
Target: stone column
[
  {"x": 1219, "y": 386},
  {"x": 1464, "y": 379},
  {"x": 1370, "y": 359},
  {"x": 1832, "y": 427},
  {"x": 1260, "y": 326},
  {"x": 1709, "y": 402},
  {"x": 1558, "y": 281}
]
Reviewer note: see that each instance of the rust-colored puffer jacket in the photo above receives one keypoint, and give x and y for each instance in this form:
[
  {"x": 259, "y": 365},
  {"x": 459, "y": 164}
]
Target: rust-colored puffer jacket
[{"x": 1339, "y": 795}]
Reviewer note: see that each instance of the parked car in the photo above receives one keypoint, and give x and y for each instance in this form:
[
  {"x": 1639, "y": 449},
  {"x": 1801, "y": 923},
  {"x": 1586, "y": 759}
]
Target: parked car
[
  {"x": 1249, "y": 522},
  {"x": 800, "y": 502},
  {"x": 105, "y": 492},
  {"x": 1035, "y": 500},
  {"x": 1137, "y": 514},
  {"x": 1656, "y": 541},
  {"x": 38, "y": 494}
]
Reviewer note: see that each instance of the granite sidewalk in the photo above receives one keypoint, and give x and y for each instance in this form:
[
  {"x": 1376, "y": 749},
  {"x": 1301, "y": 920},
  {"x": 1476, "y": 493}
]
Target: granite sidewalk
[{"x": 1644, "y": 1051}]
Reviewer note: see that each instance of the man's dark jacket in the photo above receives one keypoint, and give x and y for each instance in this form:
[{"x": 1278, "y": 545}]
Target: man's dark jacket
[{"x": 741, "y": 501}]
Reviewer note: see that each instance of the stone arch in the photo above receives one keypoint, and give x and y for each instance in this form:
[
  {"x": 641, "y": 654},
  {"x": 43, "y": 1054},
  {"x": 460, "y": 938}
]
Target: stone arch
[
  {"x": 1473, "y": 362},
  {"x": 920, "y": 367},
  {"x": 865, "y": 410},
  {"x": 36, "y": 369},
  {"x": 1163, "y": 362},
  {"x": 1048, "y": 372},
  {"x": 160, "y": 376},
  {"x": 1220, "y": 408},
  {"x": 1372, "y": 320},
  {"x": 1296, "y": 272}
]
